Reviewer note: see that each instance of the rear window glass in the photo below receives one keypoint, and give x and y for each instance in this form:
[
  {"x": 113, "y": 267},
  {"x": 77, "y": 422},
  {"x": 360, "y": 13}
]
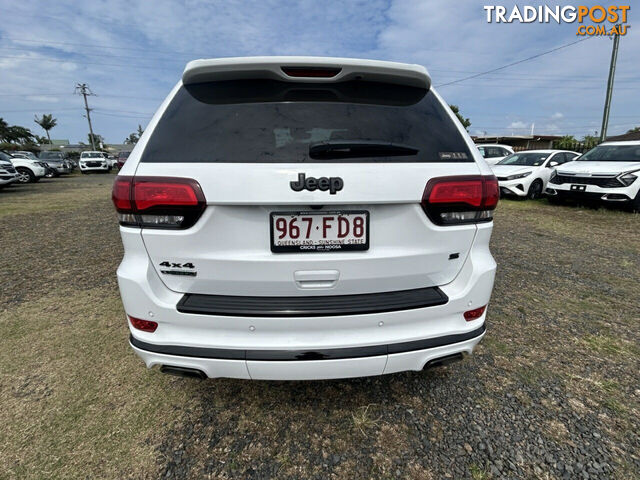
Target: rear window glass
[
  {"x": 268, "y": 121},
  {"x": 613, "y": 153},
  {"x": 51, "y": 155}
]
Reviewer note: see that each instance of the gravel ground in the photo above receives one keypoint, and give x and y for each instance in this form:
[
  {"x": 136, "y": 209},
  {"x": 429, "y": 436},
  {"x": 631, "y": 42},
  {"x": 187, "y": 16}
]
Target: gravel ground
[{"x": 553, "y": 391}]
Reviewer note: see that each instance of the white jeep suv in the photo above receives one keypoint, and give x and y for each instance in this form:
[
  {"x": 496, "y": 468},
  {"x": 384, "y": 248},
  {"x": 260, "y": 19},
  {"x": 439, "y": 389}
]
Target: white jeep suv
[
  {"x": 607, "y": 173},
  {"x": 304, "y": 218}
]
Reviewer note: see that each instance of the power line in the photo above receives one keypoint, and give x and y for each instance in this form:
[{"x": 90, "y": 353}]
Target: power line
[
  {"x": 171, "y": 52},
  {"x": 33, "y": 109},
  {"x": 122, "y": 115},
  {"x": 513, "y": 63},
  {"x": 40, "y": 59}
]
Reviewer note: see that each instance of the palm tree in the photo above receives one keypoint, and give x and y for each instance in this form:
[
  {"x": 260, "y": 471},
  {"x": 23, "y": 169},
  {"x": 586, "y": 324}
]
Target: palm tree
[{"x": 47, "y": 122}]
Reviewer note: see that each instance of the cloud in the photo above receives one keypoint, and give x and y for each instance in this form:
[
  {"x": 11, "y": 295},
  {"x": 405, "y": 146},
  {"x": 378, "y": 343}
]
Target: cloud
[
  {"x": 140, "y": 48},
  {"x": 42, "y": 98},
  {"x": 518, "y": 125}
]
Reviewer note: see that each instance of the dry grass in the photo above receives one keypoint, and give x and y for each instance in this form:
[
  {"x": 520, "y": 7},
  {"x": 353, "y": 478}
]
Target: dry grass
[{"x": 77, "y": 403}]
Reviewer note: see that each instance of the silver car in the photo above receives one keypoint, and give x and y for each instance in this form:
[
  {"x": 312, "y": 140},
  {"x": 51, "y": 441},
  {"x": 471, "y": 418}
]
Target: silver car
[{"x": 56, "y": 161}]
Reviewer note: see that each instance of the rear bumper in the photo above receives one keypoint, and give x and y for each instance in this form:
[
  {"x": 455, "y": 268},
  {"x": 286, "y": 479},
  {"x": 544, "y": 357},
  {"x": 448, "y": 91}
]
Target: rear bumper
[
  {"x": 341, "y": 363},
  {"x": 145, "y": 296}
]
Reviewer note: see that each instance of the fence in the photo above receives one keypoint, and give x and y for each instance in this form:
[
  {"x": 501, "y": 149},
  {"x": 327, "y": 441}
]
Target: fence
[{"x": 580, "y": 147}]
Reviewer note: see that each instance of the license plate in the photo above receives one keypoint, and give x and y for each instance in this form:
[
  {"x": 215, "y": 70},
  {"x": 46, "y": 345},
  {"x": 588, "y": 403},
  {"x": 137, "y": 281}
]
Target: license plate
[
  {"x": 337, "y": 231},
  {"x": 578, "y": 188}
]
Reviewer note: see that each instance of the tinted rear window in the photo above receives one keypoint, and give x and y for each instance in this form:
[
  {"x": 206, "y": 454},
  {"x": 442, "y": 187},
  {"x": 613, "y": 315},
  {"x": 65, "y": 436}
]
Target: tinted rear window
[
  {"x": 613, "y": 153},
  {"x": 264, "y": 121}
]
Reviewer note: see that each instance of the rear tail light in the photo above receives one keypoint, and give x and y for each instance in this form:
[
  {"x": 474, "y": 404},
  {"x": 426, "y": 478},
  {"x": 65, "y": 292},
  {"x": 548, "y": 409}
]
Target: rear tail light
[
  {"x": 158, "y": 202},
  {"x": 474, "y": 314},
  {"x": 144, "y": 325},
  {"x": 459, "y": 200}
]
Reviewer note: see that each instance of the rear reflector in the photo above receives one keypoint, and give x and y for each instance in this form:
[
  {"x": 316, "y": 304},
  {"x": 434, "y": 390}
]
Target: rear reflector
[
  {"x": 474, "y": 314},
  {"x": 158, "y": 202},
  {"x": 311, "y": 72},
  {"x": 144, "y": 325},
  {"x": 462, "y": 199}
]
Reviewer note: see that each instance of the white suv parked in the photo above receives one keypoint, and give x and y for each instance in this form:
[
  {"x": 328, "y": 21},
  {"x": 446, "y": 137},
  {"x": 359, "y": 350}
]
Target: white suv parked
[
  {"x": 29, "y": 171},
  {"x": 608, "y": 173},
  {"x": 304, "y": 218},
  {"x": 94, "y": 162}
]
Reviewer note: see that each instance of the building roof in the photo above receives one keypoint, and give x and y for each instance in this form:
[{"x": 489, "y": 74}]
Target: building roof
[{"x": 635, "y": 135}]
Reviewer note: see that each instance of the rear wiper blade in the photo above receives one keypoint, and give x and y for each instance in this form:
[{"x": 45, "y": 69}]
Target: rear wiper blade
[{"x": 359, "y": 148}]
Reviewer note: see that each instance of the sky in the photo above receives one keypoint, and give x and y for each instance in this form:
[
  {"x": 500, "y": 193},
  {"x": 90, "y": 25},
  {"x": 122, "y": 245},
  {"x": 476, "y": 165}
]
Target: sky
[{"x": 131, "y": 53}]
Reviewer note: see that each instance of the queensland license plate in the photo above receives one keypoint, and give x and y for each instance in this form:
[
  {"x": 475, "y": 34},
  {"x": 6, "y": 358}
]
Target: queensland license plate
[{"x": 319, "y": 231}]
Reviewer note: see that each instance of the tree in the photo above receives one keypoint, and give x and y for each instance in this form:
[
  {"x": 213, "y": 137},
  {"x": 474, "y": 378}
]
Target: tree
[
  {"x": 135, "y": 136},
  {"x": 20, "y": 135},
  {"x": 4, "y": 129},
  {"x": 565, "y": 143},
  {"x": 635, "y": 129},
  {"x": 97, "y": 140},
  {"x": 590, "y": 140},
  {"x": 466, "y": 123},
  {"x": 47, "y": 122}
]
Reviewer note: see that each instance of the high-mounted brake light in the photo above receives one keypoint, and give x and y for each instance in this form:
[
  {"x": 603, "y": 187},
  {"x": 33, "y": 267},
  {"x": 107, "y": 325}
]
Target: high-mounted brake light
[
  {"x": 311, "y": 72},
  {"x": 144, "y": 325},
  {"x": 461, "y": 199},
  {"x": 158, "y": 202}
]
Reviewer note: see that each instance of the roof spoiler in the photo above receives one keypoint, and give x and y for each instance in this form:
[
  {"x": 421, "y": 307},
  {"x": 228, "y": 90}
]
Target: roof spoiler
[{"x": 305, "y": 70}]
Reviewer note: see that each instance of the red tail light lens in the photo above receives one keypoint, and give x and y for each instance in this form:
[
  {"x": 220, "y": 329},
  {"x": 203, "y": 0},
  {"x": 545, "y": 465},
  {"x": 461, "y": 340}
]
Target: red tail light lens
[
  {"x": 158, "y": 202},
  {"x": 459, "y": 200},
  {"x": 121, "y": 193},
  {"x": 474, "y": 314},
  {"x": 144, "y": 325},
  {"x": 148, "y": 193},
  {"x": 311, "y": 72}
]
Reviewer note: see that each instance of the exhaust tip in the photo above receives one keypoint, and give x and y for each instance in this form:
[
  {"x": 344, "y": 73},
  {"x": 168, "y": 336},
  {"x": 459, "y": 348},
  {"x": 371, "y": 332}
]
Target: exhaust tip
[
  {"x": 446, "y": 360},
  {"x": 183, "y": 372}
]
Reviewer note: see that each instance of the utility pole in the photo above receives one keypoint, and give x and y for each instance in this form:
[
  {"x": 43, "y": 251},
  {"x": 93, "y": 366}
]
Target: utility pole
[
  {"x": 83, "y": 89},
  {"x": 612, "y": 73}
]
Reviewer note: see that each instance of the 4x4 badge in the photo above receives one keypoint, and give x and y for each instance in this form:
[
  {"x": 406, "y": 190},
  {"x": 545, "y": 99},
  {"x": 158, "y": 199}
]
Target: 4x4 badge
[
  {"x": 333, "y": 184},
  {"x": 171, "y": 268}
]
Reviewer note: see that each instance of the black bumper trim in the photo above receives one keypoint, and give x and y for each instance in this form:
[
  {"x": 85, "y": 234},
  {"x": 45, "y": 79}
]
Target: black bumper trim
[
  {"x": 320, "y": 306},
  {"x": 289, "y": 355}
]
